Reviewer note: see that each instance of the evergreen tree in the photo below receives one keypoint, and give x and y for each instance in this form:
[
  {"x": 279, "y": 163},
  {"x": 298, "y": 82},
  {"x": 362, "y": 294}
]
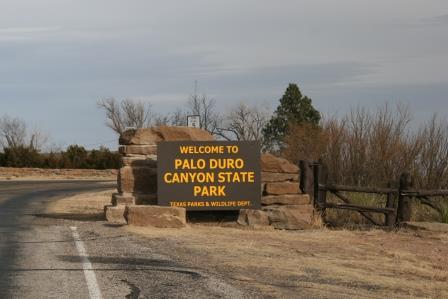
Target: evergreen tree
[{"x": 294, "y": 109}]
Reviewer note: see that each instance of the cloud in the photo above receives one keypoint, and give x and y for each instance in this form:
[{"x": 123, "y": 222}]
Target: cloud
[
  {"x": 26, "y": 34},
  {"x": 27, "y": 30},
  {"x": 437, "y": 20}
]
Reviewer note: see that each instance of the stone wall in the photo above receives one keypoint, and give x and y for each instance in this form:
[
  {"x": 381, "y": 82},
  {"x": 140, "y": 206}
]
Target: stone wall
[
  {"x": 283, "y": 205},
  {"x": 137, "y": 178}
]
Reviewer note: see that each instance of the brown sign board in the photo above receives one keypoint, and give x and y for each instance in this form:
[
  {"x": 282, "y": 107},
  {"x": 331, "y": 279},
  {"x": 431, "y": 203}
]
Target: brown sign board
[{"x": 209, "y": 175}]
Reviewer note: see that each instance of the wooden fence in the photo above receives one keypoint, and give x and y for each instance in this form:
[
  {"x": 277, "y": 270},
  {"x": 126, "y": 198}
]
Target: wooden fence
[{"x": 313, "y": 181}]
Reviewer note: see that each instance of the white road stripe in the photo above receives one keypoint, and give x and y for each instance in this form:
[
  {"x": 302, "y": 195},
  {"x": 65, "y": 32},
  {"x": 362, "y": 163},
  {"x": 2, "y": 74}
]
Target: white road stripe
[{"x": 92, "y": 284}]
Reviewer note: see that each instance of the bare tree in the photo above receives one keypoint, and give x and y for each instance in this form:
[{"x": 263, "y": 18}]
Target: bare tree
[
  {"x": 14, "y": 134},
  {"x": 244, "y": 123},
  {"x": 205, "y": 108},
  {"x": 126, "y": 113},
  {"x": 178, "y": 118},
  {"x": 37, "y": 139}
]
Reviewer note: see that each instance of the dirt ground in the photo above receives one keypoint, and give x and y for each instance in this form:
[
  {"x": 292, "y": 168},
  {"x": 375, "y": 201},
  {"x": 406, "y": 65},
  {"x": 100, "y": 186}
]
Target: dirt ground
[
  {"x": 10, "y": 173},
  {"x": 325, "y": 263}
]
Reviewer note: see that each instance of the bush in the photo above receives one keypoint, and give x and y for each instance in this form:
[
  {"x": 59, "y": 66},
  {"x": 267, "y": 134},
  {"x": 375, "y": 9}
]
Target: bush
[
  {"x": 21, "y": 157},
  {"x": 375, "y": 148}
]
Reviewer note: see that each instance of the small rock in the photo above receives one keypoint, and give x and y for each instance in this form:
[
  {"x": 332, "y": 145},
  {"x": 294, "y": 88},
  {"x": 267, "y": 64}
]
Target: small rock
[{"x": 115, "y": 214}]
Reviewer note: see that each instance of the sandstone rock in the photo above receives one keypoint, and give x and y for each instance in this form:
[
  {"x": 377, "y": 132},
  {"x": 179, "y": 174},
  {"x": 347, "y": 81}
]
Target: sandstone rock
[
  {"x": 291, "y": 217},
  {"x": 286, "y": 199},
  {"x": 184, "y": 133},
  {"x": 270, "y": 163},
  {"x": 146, "y": 136},
  {"x": 122, "y": 199},
  {"x": 278, "y": 177},
  {"x": 156, "y": 216},
  {"x": 137, "y": 180},
  {"x": 253, "y": 218},
  {"x": 278, "y": 188},
  {"x": 151, "y": 136},
  {"x": 138, "y": 150},
  {"x": 139, "y": 161},
  {"x": 115, "y": 214}
]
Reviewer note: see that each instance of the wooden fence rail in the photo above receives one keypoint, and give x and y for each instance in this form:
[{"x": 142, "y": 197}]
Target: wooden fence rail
[{"x": 313, "y": 181}]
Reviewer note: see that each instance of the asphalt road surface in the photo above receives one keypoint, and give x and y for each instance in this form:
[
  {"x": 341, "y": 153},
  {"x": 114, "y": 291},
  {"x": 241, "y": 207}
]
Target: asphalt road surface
[{"x": 52, "y": 256}]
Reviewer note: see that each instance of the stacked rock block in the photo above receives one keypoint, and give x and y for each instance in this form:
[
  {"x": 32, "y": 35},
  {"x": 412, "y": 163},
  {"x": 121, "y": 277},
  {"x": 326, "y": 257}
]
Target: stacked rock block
[
  {"x": 283, "y": 204},
  {"x": 137, "y": 178}
]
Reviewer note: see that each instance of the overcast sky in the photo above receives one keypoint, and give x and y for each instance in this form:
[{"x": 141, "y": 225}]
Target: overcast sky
[{"x": 58, "y": 58}]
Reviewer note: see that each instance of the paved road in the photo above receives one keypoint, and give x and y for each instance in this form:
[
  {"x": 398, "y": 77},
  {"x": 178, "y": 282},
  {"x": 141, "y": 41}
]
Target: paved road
[{"x": 47, "y": 256}]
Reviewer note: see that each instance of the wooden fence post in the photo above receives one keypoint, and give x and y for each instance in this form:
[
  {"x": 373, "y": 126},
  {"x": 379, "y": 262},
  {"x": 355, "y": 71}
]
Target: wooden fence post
[
  {"x": 306, "y": 178},
  {"x": 404, "y": 205},
  {"x": 390, "y": 218},
  {"x": 320, "y": 196}
]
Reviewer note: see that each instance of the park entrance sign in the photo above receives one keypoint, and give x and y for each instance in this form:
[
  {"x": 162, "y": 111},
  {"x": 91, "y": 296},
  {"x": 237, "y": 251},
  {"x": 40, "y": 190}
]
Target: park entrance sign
[{"x": 209, "y": 175}]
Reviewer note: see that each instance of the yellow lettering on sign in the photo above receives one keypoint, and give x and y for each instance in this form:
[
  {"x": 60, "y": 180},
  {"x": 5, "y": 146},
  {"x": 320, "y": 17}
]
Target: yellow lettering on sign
[
  {"x": 236, "y": 177},
  {"x": 205, "y": 191},
  {"x": 188, "y": 177},
  {"x": 202, "y": 149},
  {"x": 191, "y": 164},
  {"x": 226, "y": 163}
]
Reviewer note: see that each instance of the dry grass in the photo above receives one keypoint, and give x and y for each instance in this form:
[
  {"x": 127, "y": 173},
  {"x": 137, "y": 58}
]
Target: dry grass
[
  {"x": 372, "y": 264},
  {"x": 85, "y": 203}
]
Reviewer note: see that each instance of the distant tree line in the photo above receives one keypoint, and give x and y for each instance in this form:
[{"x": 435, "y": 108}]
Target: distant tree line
[
  {"x": 21, "y": 147},
  {"x": 75, "y": 157}
]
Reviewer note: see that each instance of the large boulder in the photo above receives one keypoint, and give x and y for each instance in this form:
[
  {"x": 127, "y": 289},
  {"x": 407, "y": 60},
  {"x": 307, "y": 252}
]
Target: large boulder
[
  {"x": 156, "y": 216},
  {"x": 279, "y": 177},
  {"x": 138, "y": 161},
  {"x": 137, "y": 180},
  {"x": 151, "y": 136},
  {"x": 271, "y": 163},
  {"x": 291, "y": 217},
  {"x": 253, "y": 218},
  {"x": 146, "y": 150},
  {"x": 279, "y": 188}
]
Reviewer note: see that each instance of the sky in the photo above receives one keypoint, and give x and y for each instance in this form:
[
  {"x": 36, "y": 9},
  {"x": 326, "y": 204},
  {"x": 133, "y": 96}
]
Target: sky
[{"x": 59, "y": 57}]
